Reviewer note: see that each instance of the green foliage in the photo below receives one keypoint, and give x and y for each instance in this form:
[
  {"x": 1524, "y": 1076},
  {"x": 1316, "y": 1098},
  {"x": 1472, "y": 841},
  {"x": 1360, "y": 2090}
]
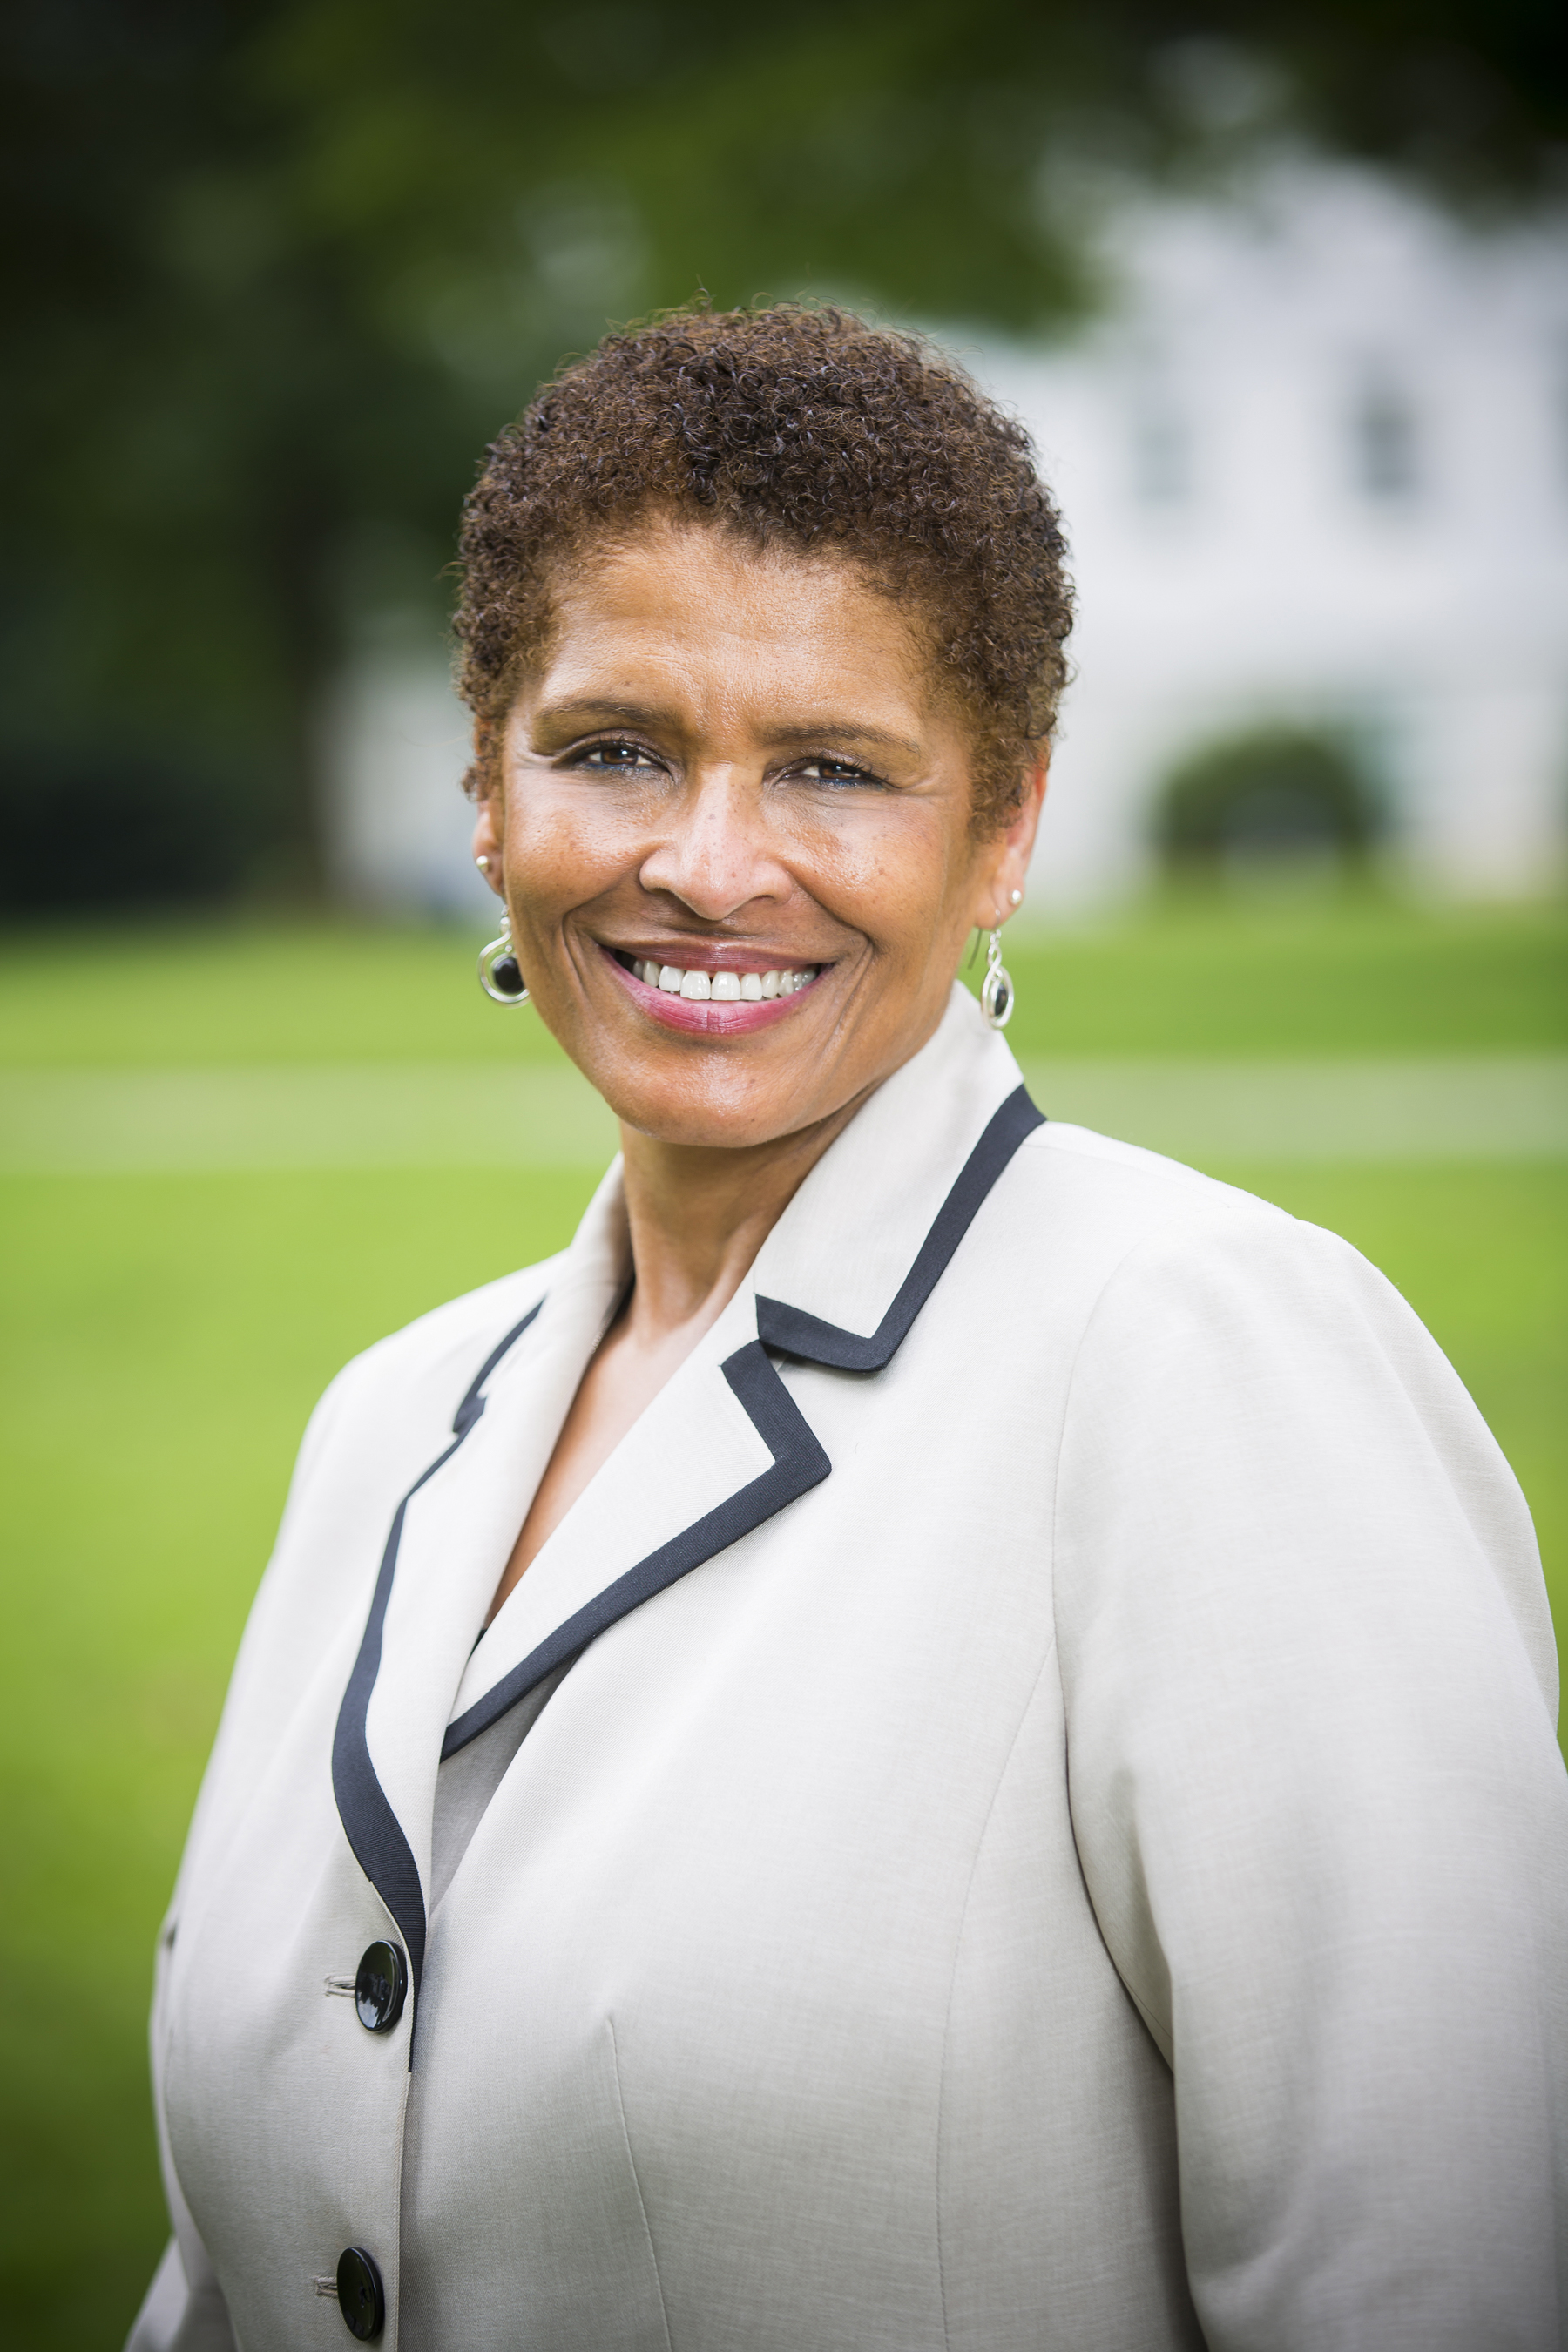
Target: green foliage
[{"x": 1268, "y": 796}]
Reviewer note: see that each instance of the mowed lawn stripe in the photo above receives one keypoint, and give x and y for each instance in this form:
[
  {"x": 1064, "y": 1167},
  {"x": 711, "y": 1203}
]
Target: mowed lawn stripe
[{"x": 1464, "y": 1108}]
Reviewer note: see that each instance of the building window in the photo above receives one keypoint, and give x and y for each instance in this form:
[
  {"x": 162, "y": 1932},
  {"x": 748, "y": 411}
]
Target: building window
[
  {"x": 1384, "y": 445},
  {"x": 1162, "y": 455}
]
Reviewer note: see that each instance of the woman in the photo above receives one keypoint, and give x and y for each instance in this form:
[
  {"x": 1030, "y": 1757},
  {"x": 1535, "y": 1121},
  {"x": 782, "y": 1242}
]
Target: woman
[{"x": 942, "y": 1733}]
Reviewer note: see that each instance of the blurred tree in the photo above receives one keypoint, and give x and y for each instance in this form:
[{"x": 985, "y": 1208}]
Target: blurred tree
[
  {"x": 1269, "y": 803},
  {"x": 275, "y": 268}
]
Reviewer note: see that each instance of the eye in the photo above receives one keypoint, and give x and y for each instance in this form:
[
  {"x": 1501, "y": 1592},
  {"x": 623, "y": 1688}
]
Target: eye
[
  {"x": 824, "y": 771},
  {"x": 616, "y": 757}
]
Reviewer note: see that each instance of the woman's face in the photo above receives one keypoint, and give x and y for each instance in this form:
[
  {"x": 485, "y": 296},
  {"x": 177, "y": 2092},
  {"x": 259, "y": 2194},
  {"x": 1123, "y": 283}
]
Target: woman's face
[{"x": 732, "y": 822}]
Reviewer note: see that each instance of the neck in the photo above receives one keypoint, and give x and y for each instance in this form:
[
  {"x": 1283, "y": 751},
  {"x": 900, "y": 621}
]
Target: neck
[{"x": 698, "y": 1216}]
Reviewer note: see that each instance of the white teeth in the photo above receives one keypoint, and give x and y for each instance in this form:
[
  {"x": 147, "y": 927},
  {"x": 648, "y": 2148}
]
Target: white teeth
[{"x": 723, "y": 987}]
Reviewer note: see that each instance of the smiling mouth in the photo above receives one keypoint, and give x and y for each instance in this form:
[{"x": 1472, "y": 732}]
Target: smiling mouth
[{"x": 699, "y": 984}]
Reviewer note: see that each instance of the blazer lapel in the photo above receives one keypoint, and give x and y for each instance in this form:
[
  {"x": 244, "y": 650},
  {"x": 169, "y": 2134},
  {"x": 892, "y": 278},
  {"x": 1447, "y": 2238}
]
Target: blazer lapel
[
  {"x": 854, "y": 1258},
  {"x": 719, "y": 1450},
  {"x": 448, "y": 1542}
]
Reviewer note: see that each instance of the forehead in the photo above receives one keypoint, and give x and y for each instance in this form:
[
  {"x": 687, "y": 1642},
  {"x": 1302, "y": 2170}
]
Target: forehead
[{"x": 701, "y": 612}]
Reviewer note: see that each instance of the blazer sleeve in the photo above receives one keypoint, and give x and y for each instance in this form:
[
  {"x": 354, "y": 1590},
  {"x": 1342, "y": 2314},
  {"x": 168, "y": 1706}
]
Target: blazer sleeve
[
  {"x": 180, "y": 2316},
  {"x": 183, "y": 2309},
  {"x": 1310, "y": 1691}
]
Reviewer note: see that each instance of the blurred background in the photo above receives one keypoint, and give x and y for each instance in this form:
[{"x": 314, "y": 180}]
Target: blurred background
[{"x": 1282, "y": 294}]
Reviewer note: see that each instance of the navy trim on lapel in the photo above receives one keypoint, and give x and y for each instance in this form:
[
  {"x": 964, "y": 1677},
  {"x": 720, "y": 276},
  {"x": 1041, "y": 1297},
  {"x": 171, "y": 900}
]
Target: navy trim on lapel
[
  {"x": 799, "y": 1462},
  {"x": 371, "y": 1826},
  {"x": 791, "y": 1332}
]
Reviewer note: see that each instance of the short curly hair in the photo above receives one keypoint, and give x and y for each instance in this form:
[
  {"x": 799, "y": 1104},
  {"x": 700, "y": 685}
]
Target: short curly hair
[{"x": 798, "y": 427}]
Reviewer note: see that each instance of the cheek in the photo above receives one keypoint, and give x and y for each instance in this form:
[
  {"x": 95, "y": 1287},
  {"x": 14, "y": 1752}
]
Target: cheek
[
  {"x": 892, "y": 876},
  {"x": 562, "y": 848}
]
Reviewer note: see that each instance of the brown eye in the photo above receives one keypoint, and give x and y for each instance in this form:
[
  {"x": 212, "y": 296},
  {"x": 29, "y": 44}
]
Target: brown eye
[{"x": 605, "y": 756}]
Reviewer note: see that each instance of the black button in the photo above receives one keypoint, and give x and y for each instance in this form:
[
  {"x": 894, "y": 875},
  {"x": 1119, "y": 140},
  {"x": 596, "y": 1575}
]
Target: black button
[
  {"x": 360, "y": 2297},
  {"x": 381, "y": 1987}
]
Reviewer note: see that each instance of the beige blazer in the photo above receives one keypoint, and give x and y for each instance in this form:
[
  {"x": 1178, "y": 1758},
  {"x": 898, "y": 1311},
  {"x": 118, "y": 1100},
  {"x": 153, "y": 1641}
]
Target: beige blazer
[{"x": 1049, "y": 1832}]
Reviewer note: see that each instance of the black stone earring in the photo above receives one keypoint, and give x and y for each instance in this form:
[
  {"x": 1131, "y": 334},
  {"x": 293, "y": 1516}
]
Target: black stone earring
[
  {"x": 501, "y": 974},
  {"x": 996, "y": 988}
]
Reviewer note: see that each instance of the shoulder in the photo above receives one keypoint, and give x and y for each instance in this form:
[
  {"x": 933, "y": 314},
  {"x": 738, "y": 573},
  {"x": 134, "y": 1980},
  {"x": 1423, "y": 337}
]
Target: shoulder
[
  {"x": 388, "y": 1414},
  {"x": 438, "y": 1344},
  {"x": 1162, "y": 1230},
  {"x": 1235, "y": 1365},
  {"x": 405, "y": 1388},
  {"x": 1119, "y": 1214},
  {"x": 1167, "y": 1283},
  {"x": 1167, "y": 1256}
]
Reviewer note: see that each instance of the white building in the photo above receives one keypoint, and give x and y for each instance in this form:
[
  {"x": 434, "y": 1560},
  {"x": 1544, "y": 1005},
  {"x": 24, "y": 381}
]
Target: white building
[{"x": 1314, "y": 459}]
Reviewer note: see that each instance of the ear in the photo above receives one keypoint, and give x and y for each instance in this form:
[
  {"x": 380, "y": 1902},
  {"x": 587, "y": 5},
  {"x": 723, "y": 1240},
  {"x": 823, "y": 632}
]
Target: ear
[
  {"x": 489, "y": 842},
  {"x": 1004, "y": 867},
  {"x": 490, "y": 810}
]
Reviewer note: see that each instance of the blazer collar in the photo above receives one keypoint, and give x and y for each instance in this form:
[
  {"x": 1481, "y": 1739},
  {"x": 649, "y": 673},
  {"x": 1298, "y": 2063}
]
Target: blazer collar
[
  {"x": 841, "y": 1258},
  {"x": 721, "y": 1449}
]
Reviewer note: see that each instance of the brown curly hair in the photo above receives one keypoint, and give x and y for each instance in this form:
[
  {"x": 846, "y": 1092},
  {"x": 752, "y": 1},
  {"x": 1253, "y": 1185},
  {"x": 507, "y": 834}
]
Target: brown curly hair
[{"x": 793, "y": 426}]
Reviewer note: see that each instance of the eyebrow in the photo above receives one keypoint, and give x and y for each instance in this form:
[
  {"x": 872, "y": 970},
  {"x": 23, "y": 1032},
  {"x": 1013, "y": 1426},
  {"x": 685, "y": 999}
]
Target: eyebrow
[
  {"x": 847, "y": 732},
  {"x": 590, "y": 711}
]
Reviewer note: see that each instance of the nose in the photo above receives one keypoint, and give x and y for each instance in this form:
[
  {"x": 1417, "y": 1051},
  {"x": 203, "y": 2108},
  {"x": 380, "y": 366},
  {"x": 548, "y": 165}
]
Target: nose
[{"x": 714, "y": 853}]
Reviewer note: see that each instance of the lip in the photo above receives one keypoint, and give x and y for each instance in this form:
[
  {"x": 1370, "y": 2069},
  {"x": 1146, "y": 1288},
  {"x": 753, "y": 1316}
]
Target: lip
[{"x": 707, "y": 1019}]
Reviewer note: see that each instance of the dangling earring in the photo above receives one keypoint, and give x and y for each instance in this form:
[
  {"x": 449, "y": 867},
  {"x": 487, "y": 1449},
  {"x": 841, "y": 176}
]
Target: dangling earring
[
  {"x": 996, "y": 988},
  {"x": 501, "y": 974}
]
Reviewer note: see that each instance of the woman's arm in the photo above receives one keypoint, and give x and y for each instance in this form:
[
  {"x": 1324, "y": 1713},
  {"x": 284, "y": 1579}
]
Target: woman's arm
[
  {"x": 178, "y": 2316},
  {"x": 1310, "y": 1696},
  {"x": 183, "y": 2309}
]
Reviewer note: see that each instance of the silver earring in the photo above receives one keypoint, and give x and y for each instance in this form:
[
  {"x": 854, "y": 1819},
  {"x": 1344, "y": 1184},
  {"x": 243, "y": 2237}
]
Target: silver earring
[
  {"x": 501, "y": 974},
  {"x": 996, "y": 988}
]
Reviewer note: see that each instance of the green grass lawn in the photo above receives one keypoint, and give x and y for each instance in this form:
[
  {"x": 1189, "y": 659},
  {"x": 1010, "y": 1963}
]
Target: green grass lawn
[{"x": 162, "y": 1338}]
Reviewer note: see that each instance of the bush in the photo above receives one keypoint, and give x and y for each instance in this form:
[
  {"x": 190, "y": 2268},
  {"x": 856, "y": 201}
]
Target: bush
[{"x": 1278, "y": 797}]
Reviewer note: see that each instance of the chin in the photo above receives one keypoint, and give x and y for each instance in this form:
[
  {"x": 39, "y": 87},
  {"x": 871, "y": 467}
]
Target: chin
[{"x": 680, "y": 1113}]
